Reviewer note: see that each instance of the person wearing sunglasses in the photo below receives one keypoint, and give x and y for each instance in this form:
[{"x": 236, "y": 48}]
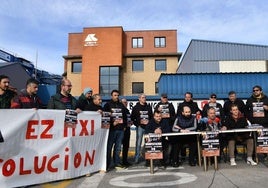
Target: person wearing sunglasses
[
  {"x": 213, "y": 103},
  {"x": 257, "y": 107}
]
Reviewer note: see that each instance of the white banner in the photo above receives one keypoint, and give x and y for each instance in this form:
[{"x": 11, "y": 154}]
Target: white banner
[{"x": 38, "y": 148}]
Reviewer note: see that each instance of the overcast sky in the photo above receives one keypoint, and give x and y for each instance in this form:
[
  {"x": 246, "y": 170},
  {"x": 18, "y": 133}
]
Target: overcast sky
[{"x": 31, "y": 27}]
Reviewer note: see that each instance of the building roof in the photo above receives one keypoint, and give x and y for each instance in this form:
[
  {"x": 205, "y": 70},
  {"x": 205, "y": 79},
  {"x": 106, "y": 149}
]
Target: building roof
[
  {"x": 202, "y": 85},
  {"x": 207, "y": 53}
]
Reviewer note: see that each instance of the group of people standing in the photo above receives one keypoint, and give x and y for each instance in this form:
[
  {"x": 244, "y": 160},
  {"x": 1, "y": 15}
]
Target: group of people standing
[
  {"x": 233, "y": 114},
  {"x": 162, "y": 119}
]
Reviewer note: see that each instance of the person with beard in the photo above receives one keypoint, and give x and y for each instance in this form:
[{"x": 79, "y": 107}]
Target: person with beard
[
  {"x": 257, "y": 107},
  {"x": 157, "y": 126},
  {"x": 116, "y": 131},
  {"x": 188, "y": 101},
  {"x": 63, "y": 100},
  {"x": 184, "y": 123},
  {"x": 28, "y": 97},
  {"x": 85, "y": 98},
  {"x": 7, "y": 93},
  {"x": 232, "y": 99}
]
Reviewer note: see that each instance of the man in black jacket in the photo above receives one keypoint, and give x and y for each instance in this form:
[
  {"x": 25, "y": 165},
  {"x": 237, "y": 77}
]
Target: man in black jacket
[
  {"x": 158, "y": 126},
  {"x": 140, "y": 115},
  {"x": 257, "y": 107},
  {"x": 117, "y": 126},
  {"x": 232, "y": 99}
]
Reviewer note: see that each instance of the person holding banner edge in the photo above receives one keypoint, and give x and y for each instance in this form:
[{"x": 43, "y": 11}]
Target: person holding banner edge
[
  {"x": 236, "y": 120},
  {"x": 158, "y": 126},
  {"x": 116, "y": 131},
  {"x": 184, "y": 123}
]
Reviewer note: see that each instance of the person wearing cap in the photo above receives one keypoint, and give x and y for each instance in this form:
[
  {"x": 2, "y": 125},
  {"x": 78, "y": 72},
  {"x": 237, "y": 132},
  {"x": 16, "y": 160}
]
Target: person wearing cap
[
  {"x": 85, "y": 98},
  {"x": 257, "y": 107},
  {"x": 168, "y": 116},
  {"x": 213, "y": 103}
]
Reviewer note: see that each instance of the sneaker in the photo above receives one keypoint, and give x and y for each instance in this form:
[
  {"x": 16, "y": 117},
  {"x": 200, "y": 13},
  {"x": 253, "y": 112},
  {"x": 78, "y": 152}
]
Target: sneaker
[
  {"x": 119, "y": 167},
  {"x": 232, "y": 162},
  {"x": 251, "y": 162}
]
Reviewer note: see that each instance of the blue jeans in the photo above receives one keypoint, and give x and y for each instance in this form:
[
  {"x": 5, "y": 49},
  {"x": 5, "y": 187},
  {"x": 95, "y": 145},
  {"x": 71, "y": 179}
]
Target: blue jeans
[
  {"x": 139, "y": 136},
  {"x": 115, "y": 139}
]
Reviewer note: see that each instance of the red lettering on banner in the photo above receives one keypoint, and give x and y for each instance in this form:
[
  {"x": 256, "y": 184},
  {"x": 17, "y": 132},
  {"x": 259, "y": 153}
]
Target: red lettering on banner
[
  {"x": 85, "y": 131},
  {"x": 49, "y": 124},
  {"x": 49, "y": 164},
  {"x": 44, "y": 135},
  {"x": 66, "y": 160},
  {"x": 30, "y": 129},
  {"x": 42, "y": 163},
  {"x": 22, "y": 171},
  {"x": 84, "y": 127},
  {"x": 89, "y": 158},
  {"x": 65, "y": 133},
  {"x": 92, "y": 127},
  {"x": 9, "y": 167},
  {"x": 77, "y": 160},
  {"x": 37, "y": 169}
]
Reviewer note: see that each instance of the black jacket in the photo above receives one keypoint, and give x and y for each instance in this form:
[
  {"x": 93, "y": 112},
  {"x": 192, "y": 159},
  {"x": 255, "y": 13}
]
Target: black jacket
[
  {"x": 253, "y": 105},
  {"x": 152, "y": 125},
  {"x": 140, "y": 112},
  {"x": 171, "y": 110},
  {"x": 241, "y": 106},
  {"x": 192, "y": 105},
  {"x": 117, "y": 110},
  {"x": 218, "y": 108}
]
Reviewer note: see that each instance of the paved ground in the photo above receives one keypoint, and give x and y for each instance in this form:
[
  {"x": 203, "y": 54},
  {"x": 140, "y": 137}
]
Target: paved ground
[
  {"x": 185, "y": 176},
  {"x": 242, "y": 176}
]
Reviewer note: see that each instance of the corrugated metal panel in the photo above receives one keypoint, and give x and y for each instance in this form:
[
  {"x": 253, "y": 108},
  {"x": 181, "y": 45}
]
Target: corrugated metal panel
[
  {"x": 203, "y": 51},
  {"x": 213, "y": 50},
  {"x": 202, "y": 85}
]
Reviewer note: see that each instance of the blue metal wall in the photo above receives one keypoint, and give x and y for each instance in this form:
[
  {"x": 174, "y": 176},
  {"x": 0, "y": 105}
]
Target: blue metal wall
[{"x": 202, "y": 85}]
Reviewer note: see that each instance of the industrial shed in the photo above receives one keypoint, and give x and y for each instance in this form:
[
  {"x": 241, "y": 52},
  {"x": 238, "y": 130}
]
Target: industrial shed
[
  {"x": 203, "y": 56},
  {"x": 202, "y": 85}
]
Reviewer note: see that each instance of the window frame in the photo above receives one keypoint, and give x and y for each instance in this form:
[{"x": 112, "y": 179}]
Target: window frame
[
  {"x": 158, "y": 42},
  {"x": 137, "y": 61},
  {"x": 159, "y": 61},
  {"x": 135, "y": 42},
  {"x": 111, "y": 83},
  {"x": 73, "y": 63},
  {"x": 137, "y": 92}
]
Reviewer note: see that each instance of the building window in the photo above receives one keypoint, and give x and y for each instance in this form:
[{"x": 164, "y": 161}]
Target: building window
[
  {"x": 137, "y": 65},
  {"x": 77, "y": 67},
  {"x": 137, "y": 42},
  {"x": 137, "y": 87},
  {"x": 160, "y": 64},
  {"x": 156, "y": 88},
  {"x": 160, "y": 42},
  {"x": 109, "y": 80}
]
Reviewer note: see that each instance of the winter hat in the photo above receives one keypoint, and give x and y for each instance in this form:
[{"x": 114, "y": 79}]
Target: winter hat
[{"x": 87, "y": 90}]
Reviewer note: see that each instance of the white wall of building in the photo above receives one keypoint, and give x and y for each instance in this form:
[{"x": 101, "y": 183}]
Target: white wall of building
[{"x": 242, "y": 66}]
